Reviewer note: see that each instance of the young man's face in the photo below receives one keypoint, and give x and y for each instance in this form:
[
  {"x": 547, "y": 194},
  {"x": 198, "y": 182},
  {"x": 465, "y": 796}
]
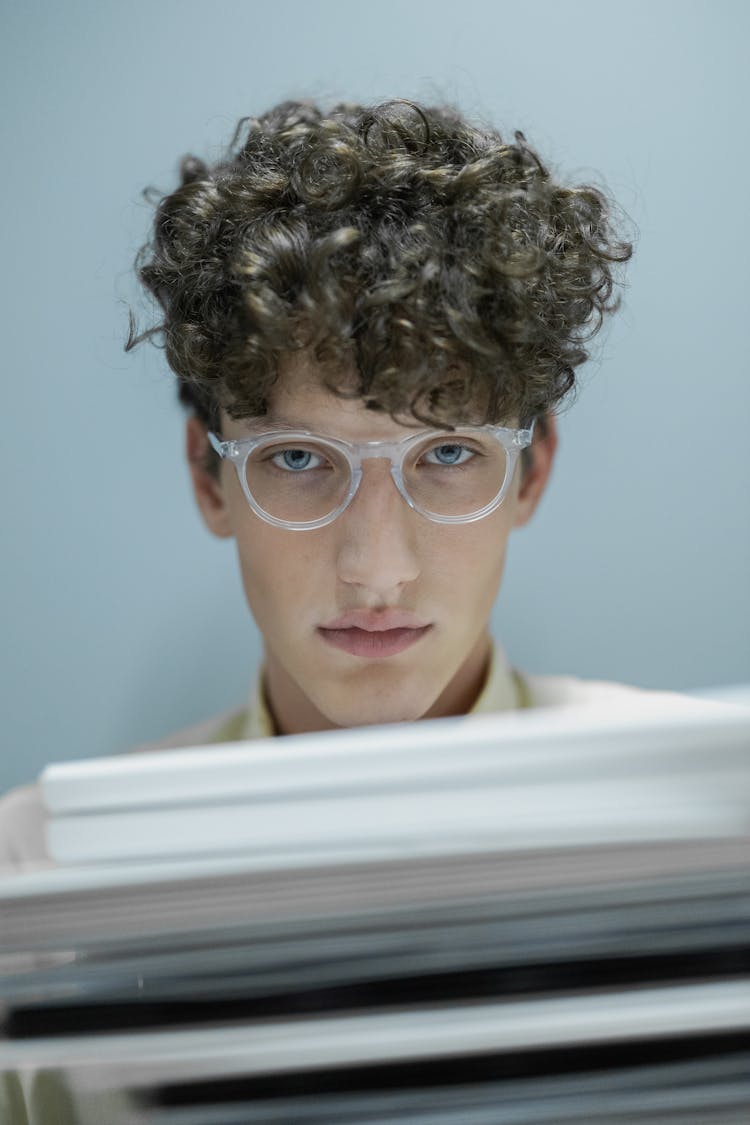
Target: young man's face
[{"x": 381, "y": 615}]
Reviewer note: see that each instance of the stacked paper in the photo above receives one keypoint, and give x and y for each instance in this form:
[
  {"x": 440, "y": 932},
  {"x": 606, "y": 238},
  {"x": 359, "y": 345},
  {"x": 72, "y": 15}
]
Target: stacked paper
[
  {"x": 535, "y": 779},
  {"x": 527, "y": 920}
]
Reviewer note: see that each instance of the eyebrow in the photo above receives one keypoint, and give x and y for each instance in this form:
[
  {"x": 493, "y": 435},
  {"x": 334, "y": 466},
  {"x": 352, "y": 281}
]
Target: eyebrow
[{"x": 269, "y": 422}]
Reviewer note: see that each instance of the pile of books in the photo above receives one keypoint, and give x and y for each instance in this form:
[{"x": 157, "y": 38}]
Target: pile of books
[{"x": 537, "y": 918}]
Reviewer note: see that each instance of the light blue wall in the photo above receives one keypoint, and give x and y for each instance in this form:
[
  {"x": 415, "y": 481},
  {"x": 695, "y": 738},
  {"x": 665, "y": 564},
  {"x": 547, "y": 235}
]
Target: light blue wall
[{"x": 121, "y": 618}]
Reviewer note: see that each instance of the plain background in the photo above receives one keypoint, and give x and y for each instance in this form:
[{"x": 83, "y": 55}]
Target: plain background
[{"x": 122, "y": 619}]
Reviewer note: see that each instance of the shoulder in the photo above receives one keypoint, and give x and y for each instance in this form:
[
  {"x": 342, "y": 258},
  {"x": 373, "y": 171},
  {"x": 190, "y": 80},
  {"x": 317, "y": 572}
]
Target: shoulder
[
  {"x": 568, "y": 691},
  {"x": 22, "y": 836},
  {"x": 23, "y": 817},
  {"x": 227, "y": 727}
]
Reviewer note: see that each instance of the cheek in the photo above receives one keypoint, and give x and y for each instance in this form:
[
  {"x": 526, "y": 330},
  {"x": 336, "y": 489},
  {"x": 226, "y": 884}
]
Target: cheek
[
  {"x": 280, "y": 569},
  {"x": 469, "y": 557},
  {"x": 484, "y": 574}
]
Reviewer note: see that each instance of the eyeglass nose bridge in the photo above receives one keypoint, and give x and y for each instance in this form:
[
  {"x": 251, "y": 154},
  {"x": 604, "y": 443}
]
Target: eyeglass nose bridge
[{"x": 377, "y": 451}]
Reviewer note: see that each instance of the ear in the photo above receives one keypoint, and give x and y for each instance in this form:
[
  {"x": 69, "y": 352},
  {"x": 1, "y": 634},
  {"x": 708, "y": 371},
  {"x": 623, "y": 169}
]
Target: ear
[
  {"x": 208, "y": 486},
  {"x": 536, "y": 473}
]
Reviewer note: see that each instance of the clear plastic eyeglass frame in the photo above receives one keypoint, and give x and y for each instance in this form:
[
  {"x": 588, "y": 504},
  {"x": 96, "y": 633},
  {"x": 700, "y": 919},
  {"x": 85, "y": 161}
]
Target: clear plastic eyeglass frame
[{"x": 238, "y": 451}]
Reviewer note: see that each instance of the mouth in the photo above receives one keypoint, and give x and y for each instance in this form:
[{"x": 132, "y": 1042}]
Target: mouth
[
  {"x": 373, "y": 643},
  {"x": 374, "y": 634}
]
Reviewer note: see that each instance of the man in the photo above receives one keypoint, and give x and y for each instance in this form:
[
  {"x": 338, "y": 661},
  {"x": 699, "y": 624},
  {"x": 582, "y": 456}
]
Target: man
[
  {"x": 372, "y": 315},
  {"x": 367, "y": 276}
]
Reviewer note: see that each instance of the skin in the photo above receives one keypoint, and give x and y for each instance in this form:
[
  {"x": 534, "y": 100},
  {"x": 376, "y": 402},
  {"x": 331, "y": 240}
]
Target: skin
[{"x": 378, "y": 555}]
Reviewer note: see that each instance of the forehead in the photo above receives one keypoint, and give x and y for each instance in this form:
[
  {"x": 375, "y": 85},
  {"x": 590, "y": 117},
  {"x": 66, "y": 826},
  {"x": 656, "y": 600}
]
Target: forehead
[{"x": 299, "y": 400}]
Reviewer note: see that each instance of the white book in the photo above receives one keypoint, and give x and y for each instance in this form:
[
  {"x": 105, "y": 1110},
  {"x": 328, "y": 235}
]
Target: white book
[{"x": 535, "y": 779}]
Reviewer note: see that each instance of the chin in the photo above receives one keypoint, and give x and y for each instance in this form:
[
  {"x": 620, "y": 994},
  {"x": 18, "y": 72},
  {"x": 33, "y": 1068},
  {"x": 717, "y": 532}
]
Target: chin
[{"x": 375, "y": 712}]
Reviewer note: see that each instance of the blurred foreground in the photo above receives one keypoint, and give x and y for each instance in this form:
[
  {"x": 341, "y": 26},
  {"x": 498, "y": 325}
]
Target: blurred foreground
[{"x": 514, "y": 919}]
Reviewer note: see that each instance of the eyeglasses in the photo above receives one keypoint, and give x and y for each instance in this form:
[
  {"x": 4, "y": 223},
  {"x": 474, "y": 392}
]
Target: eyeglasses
[{"x": 300, "y": 480}]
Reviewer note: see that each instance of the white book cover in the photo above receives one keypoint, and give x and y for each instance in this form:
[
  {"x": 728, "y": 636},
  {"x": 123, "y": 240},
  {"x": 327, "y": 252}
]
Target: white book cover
[{"x": 528, "y": 780}]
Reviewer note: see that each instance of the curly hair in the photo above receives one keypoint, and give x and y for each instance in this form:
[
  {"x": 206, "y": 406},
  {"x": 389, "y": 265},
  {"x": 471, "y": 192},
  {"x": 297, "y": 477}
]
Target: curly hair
[{"x": 439, "y": 263}]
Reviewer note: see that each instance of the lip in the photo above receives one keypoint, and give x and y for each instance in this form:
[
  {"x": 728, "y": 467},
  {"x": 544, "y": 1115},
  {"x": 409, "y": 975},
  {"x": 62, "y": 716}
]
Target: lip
[
  {"x": 372, "y": 643},
  {"x": 376, "y": 620},
  {"x": 374, "y": 633}
]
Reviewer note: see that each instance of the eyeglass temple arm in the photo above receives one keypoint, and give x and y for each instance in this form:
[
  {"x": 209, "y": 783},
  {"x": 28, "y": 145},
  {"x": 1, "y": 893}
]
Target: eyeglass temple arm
[{"x": 223, "y": 448}]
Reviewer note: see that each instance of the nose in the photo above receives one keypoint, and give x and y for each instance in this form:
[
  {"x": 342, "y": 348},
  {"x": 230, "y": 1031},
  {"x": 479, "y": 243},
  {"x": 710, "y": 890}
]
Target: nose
[{"x": 378, "y": 535}]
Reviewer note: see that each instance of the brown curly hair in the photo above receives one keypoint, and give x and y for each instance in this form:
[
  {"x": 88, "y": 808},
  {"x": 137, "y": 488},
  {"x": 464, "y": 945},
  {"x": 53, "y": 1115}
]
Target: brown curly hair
[{"x": 441, "y": 264}]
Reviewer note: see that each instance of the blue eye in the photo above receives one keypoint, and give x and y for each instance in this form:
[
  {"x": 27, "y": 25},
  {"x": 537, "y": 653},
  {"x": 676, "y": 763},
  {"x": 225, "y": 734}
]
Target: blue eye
[
  {"x": 449, "y": 453},
  {"x": 296, "y": 460}
]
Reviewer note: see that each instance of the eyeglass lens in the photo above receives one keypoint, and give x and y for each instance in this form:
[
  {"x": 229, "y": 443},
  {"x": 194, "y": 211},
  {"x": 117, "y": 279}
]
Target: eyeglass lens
[{"x": 450, "y": 475}]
